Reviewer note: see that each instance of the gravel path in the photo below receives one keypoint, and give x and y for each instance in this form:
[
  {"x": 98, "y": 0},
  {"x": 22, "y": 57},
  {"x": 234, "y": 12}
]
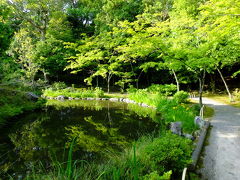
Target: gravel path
[{"x": 222, "y": 155}]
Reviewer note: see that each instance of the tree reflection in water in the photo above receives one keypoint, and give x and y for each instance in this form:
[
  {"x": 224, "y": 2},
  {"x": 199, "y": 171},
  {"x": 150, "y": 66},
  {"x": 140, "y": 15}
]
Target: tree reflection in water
[{"x": 99, "y": 128}]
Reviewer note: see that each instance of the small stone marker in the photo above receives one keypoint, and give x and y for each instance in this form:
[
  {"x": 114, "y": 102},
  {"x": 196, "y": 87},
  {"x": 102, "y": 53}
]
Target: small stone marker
[
  {"x": 176, "y": 128},
  {"x": 199, "y": 121}
]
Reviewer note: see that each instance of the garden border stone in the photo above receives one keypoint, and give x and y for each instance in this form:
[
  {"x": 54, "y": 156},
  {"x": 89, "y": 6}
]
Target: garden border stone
[{"x": 197, "y": 151}]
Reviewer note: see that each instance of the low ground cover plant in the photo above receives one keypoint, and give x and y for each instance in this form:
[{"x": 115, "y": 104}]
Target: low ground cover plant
[{"x": 73, "y": 92}]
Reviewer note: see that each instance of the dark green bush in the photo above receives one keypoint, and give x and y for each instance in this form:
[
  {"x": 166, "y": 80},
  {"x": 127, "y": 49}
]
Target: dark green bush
[
  {"x": 170, "y": 152},
  {"x": 153, "y": 158}
]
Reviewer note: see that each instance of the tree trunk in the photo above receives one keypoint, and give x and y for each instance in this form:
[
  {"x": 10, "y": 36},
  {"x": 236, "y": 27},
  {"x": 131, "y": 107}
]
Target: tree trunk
[
  {"x": 138, "y": 79},
  {"x": 108, "y": 81},
  {"x": 201, "y": 86},
  {"x": 213, "y": 84},
  {"x": 176, "y": 79},
  {"x": 43, "y": 34},
  {"x": 97, "y": 81},
  {"x": 226, "y": 86},
  {"x": 45, "y": 75},
  {"x": 108, "y": 88}
]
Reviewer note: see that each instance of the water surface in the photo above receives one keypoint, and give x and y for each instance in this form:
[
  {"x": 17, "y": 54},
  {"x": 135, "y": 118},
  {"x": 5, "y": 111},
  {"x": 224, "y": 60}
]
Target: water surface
[{"x": 98, "y": 128}]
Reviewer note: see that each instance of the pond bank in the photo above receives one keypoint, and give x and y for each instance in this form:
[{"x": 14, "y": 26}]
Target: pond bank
[{"x": 14, "y": 102}]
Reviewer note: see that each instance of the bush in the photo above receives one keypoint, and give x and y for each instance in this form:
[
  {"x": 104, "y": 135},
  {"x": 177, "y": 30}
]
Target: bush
[
  {"x": 166, "y": 89},
  {"x": 58, "y": 85},
  {"x": 181, "y": 97},
  {"x": 98, "y": 92},
  {"x": 170, "y": 152},
  {"x": 152, "y": 157},
  {"x": 155, "y": 176},
  {"x": 132, "y": 89},
  {"x": 149, "y": 159}
]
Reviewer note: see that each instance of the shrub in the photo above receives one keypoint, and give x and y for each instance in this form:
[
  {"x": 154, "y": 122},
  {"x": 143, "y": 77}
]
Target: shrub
[
  {"x": 132, "y": 89},
  {"x": 181, "y": 97},
  {"x": 152, "y": 157},
  {"x": 58, "y": 85},
  {"x": 155, "y": 176},
  {"x": 169, "y": 152},
  {"x": 98, "y": 92},
  {"x": 166, "y": 89}
]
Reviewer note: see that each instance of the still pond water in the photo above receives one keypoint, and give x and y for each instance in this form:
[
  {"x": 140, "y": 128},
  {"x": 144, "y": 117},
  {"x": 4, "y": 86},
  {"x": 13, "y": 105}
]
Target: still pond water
[{"x": 98, "y": 127}]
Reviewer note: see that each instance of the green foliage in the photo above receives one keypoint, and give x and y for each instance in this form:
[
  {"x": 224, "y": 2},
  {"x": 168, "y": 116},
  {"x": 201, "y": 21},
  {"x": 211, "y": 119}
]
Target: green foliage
[
  {"x": 166, "y": 89},
  {"x": 155, "y": 176},
  {"x": 154, "y": 158},
  {"x": 149, "y": 158},
  {"x": 171, "y": 110},
  {"x": 98, "y": 92},
  {"x": 181, "y": 97},
  {"x": 117, "y": 10},
  {"x": 166, "y": 153},
  {"x": 142, "y": 96},
  {"x": 74, "y": 92},
  {"x": 58, "y": 86},
  {"x": 13, "y": 103},
  {"x": 132, "y": 89}
]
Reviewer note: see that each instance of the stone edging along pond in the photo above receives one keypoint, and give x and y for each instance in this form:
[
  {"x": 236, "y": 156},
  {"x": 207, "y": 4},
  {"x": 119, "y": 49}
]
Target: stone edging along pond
[
  {"x": 203, "y": 131},
  {"x": 126, "y": 100}
]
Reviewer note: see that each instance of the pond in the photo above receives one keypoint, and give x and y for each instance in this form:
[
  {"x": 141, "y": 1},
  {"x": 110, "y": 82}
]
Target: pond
[{"x": 97, "y": 128}]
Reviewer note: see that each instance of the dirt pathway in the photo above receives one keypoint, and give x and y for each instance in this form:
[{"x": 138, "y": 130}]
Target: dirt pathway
[{"x": 222, "y": 154}]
